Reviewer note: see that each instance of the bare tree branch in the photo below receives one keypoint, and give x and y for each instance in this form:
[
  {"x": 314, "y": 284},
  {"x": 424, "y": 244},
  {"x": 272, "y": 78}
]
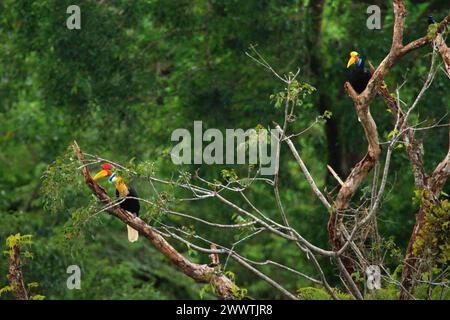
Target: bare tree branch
[
  {"x": 199, "y": 272},
  {"x": 303, "y": 168}
]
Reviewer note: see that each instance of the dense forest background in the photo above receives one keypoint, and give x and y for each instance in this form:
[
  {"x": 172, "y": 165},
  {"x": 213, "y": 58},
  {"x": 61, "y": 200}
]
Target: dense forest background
[{"x": 136, "y": 71}]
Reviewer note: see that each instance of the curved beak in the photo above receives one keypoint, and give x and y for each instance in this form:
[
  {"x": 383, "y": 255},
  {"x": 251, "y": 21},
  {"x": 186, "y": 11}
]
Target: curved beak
[
  {"x": 101, "y": 174},
  {"x": 351, "y": 61}
]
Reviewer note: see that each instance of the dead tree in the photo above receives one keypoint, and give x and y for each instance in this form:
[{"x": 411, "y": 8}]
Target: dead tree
[
  {"x": 15, "y": 275},
  {"x": 362, "y": 104},
  {"x": 432, "y": 183}
]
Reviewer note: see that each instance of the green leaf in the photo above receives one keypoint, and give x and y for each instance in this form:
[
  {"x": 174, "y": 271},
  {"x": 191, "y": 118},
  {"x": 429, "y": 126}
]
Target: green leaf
[{"x": 392, "y": 133}]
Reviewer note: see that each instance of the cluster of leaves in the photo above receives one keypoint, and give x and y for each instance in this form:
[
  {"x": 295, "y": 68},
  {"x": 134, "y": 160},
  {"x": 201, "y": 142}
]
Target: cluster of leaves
[
  {"x": 392, "y": 249},
  {"x": 76, "y": 227},
  {"x": 20, "y": 241},
  {"x": 299, "y": 91},
  {"x": 432, "y": 30},
  {"x": 296, "y": 94},
  {"x": 184, "y": 177},
  {"x": 58, "y": 180},
  {"x": 145, "y": 169},
  {"x": 238, "y": 293},
  {"x": 229, "y": 175}
]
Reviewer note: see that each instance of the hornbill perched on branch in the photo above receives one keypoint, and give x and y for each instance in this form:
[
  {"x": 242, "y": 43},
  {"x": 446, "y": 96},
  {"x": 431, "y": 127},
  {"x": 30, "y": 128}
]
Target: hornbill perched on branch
[
  {"x": 130, "y": 203},
  {"x": 358, "y": 76}
]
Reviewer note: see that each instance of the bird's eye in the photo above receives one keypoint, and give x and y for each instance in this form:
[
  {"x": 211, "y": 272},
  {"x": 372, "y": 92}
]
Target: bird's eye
[{"x": 112, "y": 178}]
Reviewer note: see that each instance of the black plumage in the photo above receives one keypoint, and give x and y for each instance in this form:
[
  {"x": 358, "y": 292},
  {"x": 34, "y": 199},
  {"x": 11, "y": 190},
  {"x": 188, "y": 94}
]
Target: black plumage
[
  {"x": 431, "y": 20},
  {"x": 131, "y": 205},
  {"x": 358, "y": 76}
]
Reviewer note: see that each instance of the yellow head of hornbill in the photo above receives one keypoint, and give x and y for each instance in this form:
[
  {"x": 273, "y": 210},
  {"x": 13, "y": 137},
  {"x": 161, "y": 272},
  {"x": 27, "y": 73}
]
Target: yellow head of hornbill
[
  {"x": 131, "y": 203},
  {"x": 358, "y": 76}
]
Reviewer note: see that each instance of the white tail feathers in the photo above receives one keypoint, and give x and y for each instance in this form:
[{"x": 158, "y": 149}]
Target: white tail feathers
[{"x": 133, "y": 235}]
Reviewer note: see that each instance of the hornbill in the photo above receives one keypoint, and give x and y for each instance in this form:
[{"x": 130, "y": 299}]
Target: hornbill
[
  {"x": 358, "y": 76},
  {"x": 130, "y": 203}
]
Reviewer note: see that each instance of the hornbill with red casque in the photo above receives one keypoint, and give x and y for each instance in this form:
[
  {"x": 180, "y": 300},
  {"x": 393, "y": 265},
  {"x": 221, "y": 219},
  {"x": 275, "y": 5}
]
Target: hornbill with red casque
[{"x": 130, "y": 202}]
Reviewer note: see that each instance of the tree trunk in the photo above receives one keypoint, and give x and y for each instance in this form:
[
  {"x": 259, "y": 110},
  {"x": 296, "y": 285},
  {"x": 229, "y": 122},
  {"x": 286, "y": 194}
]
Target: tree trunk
[{"x": 15, "y": 276}]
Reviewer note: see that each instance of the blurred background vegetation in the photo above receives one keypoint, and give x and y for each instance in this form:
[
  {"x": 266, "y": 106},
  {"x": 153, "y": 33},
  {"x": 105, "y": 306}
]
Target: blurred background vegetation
[{"x": 136, "y": 71}]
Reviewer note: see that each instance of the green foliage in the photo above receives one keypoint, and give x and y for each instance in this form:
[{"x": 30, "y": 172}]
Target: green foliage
[
  {"x": 57, "y": 181},
  {"x": 6, "y": 289},
  {"x": 229, "y": 175},
  {"x": 185, "y": 177},
  {"x": 392, "y": 133},
  {"x": 389, "y": 293},
  {"x": 358, "y": 277},
  {"x": 432, "y": 31},
  {"x": 238, "y": 293},
  {"x": 231, "y": 275},
  {"x": 21, "y": 242},
  {"x": 437, "y": 293},
  {"x": 433, "y": 240},
  {"x": 392, "y": 249},
  {"x": 312, "y": 293},
  {"x": 298, "y": 91},
  {"x": 341, "y": 295},
  {"x": 207, "y": 288}
]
